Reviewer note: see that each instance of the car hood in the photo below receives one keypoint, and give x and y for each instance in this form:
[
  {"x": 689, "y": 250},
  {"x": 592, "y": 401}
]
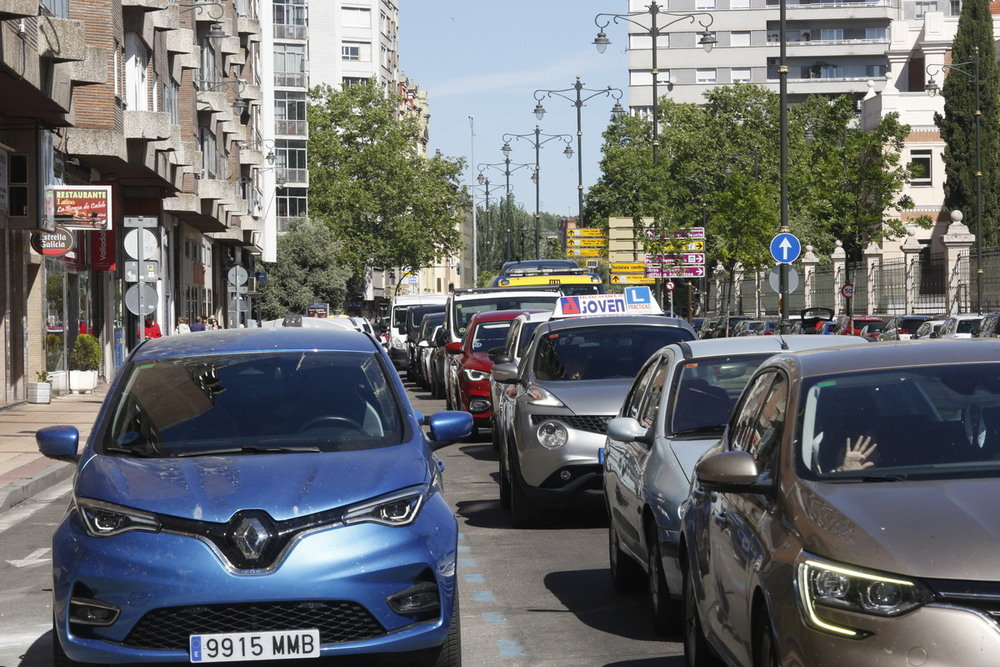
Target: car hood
[
  {"x": 591, "y": 397},
  {"x": 908, "y": 527},
  {"x": 213, "y": 488},
  {"x": 687, "y": 451}
]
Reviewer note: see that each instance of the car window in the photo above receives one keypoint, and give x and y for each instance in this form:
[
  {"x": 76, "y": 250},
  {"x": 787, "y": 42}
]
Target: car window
[
  {"x": 188, "y": 406},
  {"x": 967, "y": 325},
  {"x": 761, "y": 418},
  {"x": 489, "y": 335},
  {"x": 638, "y": 392},
  {"x": 601, "y": 351},
  {"x": 707, "y": 389},
  {"x": 651, "y": 406}
]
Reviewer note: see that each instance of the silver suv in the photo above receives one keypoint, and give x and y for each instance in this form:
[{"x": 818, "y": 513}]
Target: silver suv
[{"x": 567, "y": 386}]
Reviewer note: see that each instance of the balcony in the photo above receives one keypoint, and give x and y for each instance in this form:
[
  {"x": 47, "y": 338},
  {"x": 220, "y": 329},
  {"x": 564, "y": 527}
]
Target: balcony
[
  {"x": 61, "y": 40},
  {"x": 148, "y": 125},
  {"x": 18, "y": 9}
]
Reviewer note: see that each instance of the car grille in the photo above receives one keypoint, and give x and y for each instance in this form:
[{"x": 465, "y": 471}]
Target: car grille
[
  {"x": 983, "y": 597},
  {"x": 591, "y": 423},
  {"x": 337, "y": 621}
]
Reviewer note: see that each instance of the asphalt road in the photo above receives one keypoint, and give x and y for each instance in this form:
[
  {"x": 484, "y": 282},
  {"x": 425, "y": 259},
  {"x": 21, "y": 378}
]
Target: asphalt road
[{"x": 540, "y": 596}]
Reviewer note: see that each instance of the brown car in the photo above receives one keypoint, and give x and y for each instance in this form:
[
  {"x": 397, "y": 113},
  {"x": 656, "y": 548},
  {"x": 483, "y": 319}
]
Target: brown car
[{"x": 849, "y": 515}]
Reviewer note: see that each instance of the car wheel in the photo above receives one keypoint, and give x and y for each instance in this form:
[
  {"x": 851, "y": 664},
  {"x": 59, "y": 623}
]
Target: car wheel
[
  {"x": 696, "y": 650},
  {"x": 436, "y": 388},
  {"x": 666, "y": 611},
  {"x": 765, "y": 653},
  {"x": 523, "y": 513},
  {"x": 449, "y": 654},
  {"x": 59, "y": 657},
  {"x": 626, "y": 575},
  {"x": 504, "y": 481}
]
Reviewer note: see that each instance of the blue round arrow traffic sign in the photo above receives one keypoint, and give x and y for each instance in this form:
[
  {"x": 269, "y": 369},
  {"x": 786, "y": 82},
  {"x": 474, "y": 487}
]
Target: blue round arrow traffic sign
[{"x": 785, "y": 248}]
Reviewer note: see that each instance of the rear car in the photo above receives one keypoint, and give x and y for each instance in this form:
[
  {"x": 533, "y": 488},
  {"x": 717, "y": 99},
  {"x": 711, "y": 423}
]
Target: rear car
[
  {"x": 959, "y": 326},
  {"x": 902, "y": 327},
  {"x": 397, "y": 324},
  {"x": 256, "y": 494}
]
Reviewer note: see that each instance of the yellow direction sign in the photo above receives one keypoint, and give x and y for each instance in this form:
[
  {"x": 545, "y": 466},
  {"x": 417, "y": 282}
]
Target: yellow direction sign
[
  {"x": 585, "y": 252},
  {"x": 632, "y": 280},
  {"x": 628, "y": 267},
  {"x": 585, "y": 231},
  {"x": 588, "y": 242}
]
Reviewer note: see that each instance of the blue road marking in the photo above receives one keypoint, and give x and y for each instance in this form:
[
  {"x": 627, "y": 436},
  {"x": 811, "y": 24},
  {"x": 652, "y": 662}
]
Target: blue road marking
[
  {"x": 464, "y": 549},
  {"x": 482, "y": 596},
  {"x": 510, "y": 649},
  {"x": 494, "y": 618},
  {"x": 467, "y": 562},
  {"x": 474, "y": 578}
]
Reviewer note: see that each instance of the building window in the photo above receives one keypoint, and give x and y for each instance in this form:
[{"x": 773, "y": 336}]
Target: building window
[
  {"x": 704, "y": 4},
  {"x": 920, "y": 168},
  {"x": 739, "y": 4},
  {"x": 356, "y": 51},
  {"x": 921, "y": 7},
  {"x": 356, "y": 17},
  {"x": 17, "y": 185},
  {"x": 290, "y": 65},
  {"x": 739, "y": 38},
  {"x": 741, "y": 75},
  {"x": 706, "y": 75},
  {"x": 290, "y": 112},
  {"x": 875, "y": 34},
  {"x": 875, "y": 70},
  {"x": 136, "y": 64},
  {"x": 352, "y": 81},
  {"x": 831, "y": 34}
]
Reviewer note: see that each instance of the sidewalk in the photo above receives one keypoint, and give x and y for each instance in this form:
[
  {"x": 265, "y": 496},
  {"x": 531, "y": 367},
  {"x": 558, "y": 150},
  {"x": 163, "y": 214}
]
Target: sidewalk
[{"x": 23, "y": 470}]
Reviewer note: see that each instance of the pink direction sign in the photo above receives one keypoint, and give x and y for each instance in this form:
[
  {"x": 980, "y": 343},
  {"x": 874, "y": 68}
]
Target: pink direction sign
[{"x": 676, "y": 272}]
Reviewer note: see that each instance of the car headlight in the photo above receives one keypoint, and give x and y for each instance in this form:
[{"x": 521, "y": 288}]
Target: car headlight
[
  {"x": 396, "y": 509},
  {"x": 539, "y": 396},
  {"x": 552, "y": 434},
  {"x": 824, "y": 584},
  {"x": 476, "y": 376},
  {"x": 103, "y": 519}
]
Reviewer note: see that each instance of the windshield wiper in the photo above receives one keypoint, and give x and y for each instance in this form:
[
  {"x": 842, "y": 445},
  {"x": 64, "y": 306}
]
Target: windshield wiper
[
  {"x": 883, "y": 478},
  {"x": 250, "y": 449},
  {"x": 700, "y": 429}
]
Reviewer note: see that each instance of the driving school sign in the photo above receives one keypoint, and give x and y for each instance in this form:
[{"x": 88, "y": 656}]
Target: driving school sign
[{"x": 633, "y": 301}]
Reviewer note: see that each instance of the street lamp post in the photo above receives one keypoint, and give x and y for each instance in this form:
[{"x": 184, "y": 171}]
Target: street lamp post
[
  {"x": 578, "y": 99},
  {"x": 507, "y": 170},
  {"x": 932, "y": 88},
  {"x": 484, "y": 182},
  {"x": 653, "y": 31},
  {"x": 537, "y": 143}
]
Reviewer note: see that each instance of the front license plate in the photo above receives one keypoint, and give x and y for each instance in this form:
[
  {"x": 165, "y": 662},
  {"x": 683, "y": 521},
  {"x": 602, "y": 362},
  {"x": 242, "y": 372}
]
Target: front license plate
[{"x": 237, "y": 646}]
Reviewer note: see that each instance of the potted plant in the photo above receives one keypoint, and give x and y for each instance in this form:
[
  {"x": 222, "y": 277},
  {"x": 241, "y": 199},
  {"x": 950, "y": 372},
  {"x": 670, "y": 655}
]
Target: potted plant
[
  {"x": 40, "y": 391},
  {"x": 84, "y": 362}
]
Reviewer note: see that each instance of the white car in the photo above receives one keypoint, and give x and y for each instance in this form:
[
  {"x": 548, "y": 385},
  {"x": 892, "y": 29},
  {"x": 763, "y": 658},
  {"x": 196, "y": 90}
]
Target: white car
[{"x": 959, "y": 326}]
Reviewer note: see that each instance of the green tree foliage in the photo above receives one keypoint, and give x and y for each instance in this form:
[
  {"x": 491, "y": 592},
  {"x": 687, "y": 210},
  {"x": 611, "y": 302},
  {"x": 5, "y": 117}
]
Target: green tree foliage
[
  {"x": 958, "y": 124},
  {"x": 389, "y": 205},
  {"x": 310, "y": 270}
]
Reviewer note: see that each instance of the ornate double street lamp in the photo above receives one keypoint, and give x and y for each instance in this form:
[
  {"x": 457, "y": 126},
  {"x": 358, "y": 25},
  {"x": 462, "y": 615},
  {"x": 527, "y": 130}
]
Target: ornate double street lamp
[
  {"x": 578, "y": 100},
  {"x": 536, "y": 177},
  {"x": 508, "y": 169},
  {"x": 970, "y": 69},
  {"x": 484, "y": 182},
  {"x": 654, "y": 30}
]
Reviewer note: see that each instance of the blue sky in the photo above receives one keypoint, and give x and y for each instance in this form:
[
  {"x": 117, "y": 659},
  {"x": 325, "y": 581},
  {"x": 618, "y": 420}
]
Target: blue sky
[{"x": 486, "y": 58}]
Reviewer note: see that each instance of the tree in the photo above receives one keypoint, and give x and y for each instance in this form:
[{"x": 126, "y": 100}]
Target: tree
[
  {"x": 973, "y": 41},
  {"x": 389, "y": 205},
  {"x": 310, "y": 270}
]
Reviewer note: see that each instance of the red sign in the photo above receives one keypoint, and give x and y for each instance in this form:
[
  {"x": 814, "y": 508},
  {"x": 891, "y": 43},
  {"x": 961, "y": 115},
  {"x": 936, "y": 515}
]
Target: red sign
[
  {"x": 82, "y": 206},
  {"x": 102, "y": 250},
  {"x": 52, "y": 244}
]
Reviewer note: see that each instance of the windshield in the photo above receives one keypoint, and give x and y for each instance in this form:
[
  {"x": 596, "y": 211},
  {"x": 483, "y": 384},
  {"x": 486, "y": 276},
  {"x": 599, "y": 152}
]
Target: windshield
[
  {"x": 429, "y": 323},
  {"x": 488, "y": 335},
  {"x": 464, "y": 310},
  {"x": 706, "y": 390},
  {"x": 923, "y": 421},
  {"x": 601, "y": 352},
  {"x": 315, "y": 400}
]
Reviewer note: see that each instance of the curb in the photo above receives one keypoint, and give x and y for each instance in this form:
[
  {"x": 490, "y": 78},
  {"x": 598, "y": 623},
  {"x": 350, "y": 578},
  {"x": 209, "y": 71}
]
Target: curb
[{"x": 20, "y": 491}]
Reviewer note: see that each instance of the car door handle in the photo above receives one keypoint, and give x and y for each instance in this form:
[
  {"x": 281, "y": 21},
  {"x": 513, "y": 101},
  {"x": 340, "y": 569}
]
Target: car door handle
[{"x": 720, "y": 519}]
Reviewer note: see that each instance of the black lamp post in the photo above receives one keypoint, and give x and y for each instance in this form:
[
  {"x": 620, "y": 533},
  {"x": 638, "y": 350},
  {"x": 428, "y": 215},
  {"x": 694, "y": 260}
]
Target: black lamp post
[
  {"x": 537, "y": 143},
  {"x": 507, "y": 170},
  {"x": 932, "y": 89},
  {"x": 653, "y": 31},
  {"x": 578, "y": 99}
]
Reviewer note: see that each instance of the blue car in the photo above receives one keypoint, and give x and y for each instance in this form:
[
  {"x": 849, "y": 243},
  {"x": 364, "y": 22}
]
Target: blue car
[{"x": 256, "y": 494}]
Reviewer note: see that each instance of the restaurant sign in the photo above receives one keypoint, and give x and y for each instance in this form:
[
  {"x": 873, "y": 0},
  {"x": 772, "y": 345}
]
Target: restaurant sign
[{"x": 82, "y": 206}]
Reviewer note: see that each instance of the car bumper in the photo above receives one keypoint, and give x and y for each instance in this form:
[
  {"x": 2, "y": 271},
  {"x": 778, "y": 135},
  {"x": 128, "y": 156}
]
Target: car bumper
[
  {"x": 359, "y": 567},
  {"x": 931, "y": 635},
  {"x": 567, "y": 475}
]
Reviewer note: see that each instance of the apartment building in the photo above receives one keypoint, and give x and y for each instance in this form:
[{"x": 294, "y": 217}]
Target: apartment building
[{"x": 130, "y": 152}]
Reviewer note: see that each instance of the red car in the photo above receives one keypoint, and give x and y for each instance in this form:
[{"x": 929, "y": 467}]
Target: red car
[{"x": 486, "y": 331}]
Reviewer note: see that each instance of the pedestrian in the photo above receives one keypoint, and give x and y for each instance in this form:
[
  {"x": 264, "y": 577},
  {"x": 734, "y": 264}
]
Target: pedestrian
[
  {"x": 199, "y": 324},
  {"x": 182, "y": 326},
  {"x": 152, "y": 328},
  {"x": 212, "y": 324}
]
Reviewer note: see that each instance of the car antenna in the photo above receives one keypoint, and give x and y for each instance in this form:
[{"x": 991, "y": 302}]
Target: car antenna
[{"x": 781, "y": 335}]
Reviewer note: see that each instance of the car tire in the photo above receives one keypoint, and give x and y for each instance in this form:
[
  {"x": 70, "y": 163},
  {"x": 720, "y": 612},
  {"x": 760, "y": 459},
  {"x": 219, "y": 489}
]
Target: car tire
[
  {"x": 696, "y": 650},
  {"x": 665, "y": 610},
  {"x": 523, "y": 514},
  {"x": 626, "y": 574},
  {"x": 504, "y": 479},
  {"x": 765, "y": 653},
  {"x": 449, "y": 654},
  {"x": 495, "y": 435},
  {"x": 436, "y": 388}
]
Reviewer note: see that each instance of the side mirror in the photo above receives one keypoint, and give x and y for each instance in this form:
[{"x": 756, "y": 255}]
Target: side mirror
[
  {"x": 498, "y": 355},
  {"x": 448, "y": 426},
  {"x": 453, "y": 348},
  {"x": 729, "y": 472},
  {"x": 505, "y": 373},
  {"x": 59, "y": 442},
  {"x": 627, "y": 429}
]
